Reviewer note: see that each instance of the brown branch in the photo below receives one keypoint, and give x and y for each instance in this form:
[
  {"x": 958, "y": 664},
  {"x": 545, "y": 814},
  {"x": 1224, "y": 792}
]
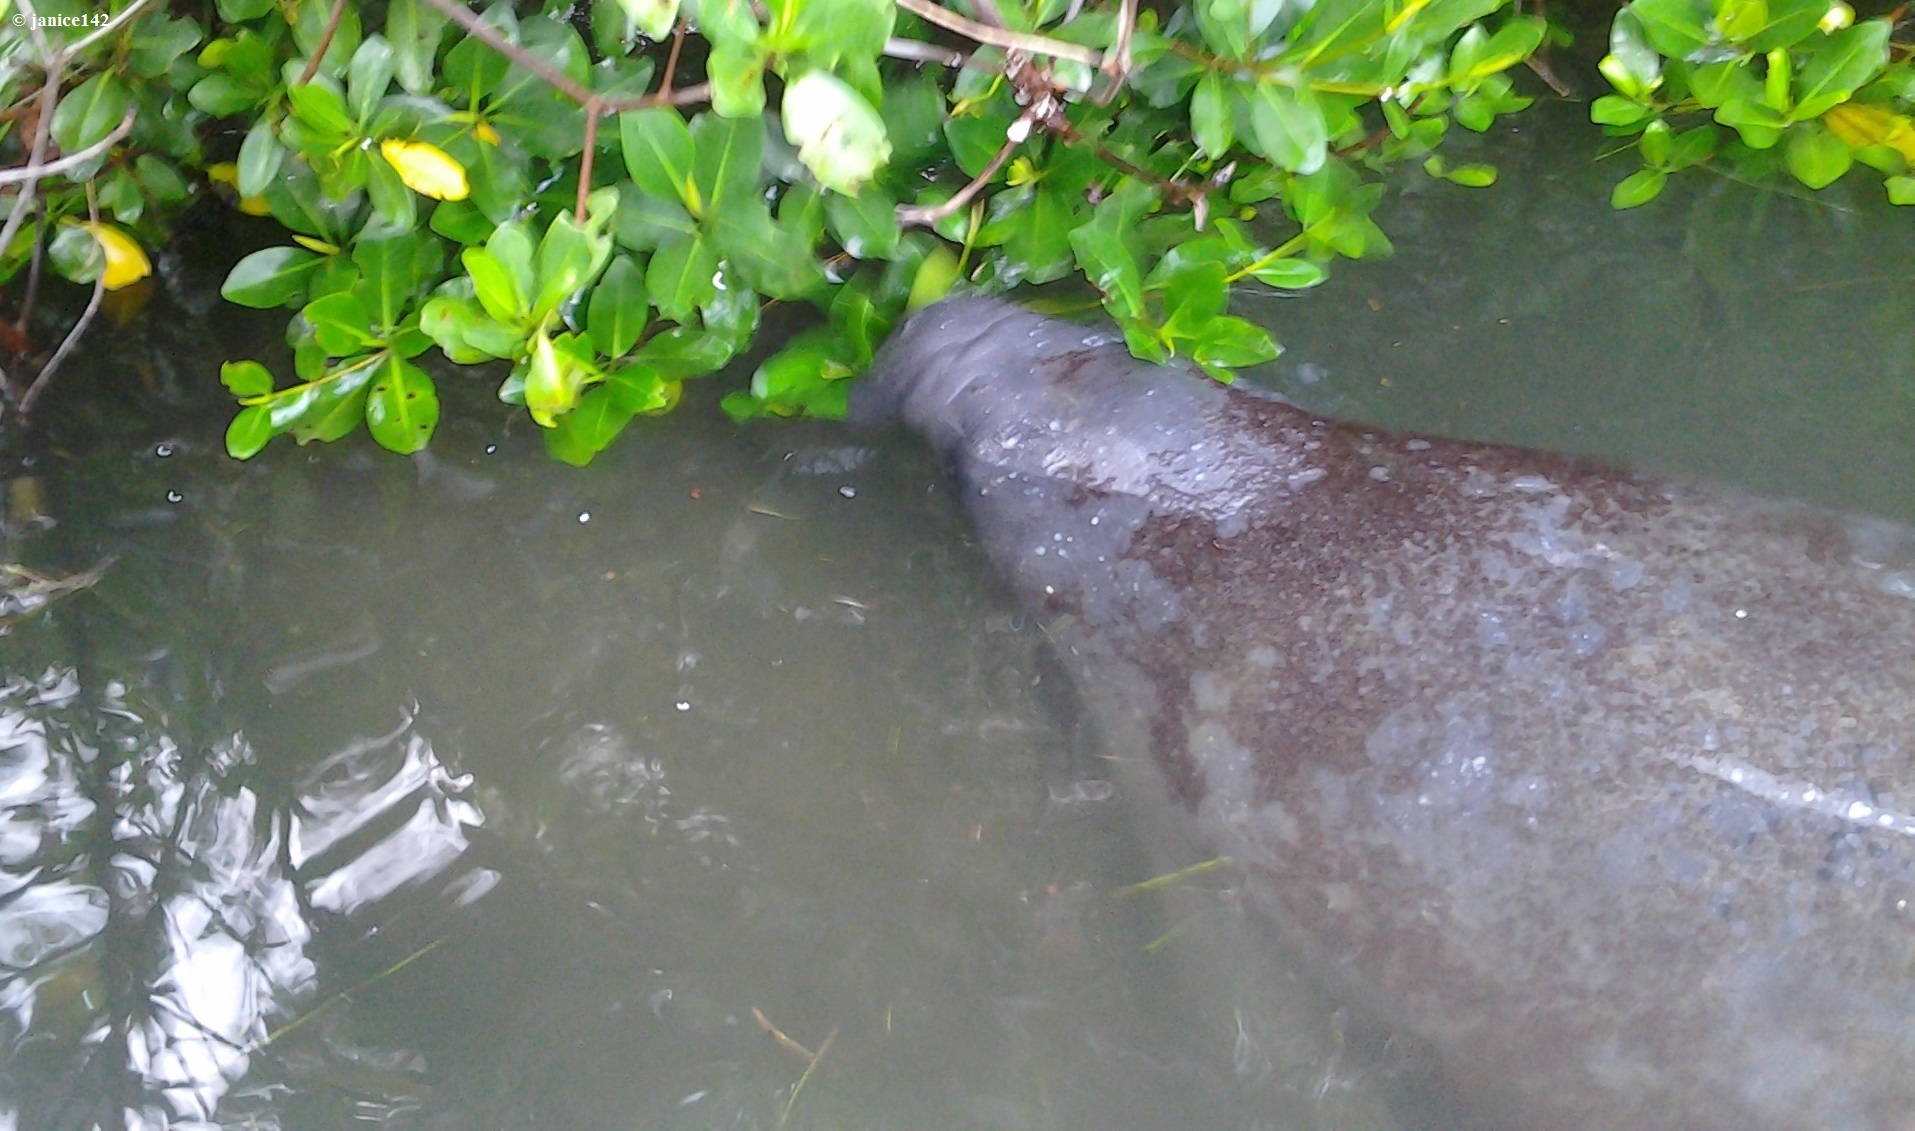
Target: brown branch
[
  {"x": 559, "y": 80},
  {"x": 998, "y": 37},
  {"x": 918, "y": 51},
  {"x": 929, "y": 214},
  {"x": 73, "y": 335},
  {"x": 1116, "y": 64},
  {"x": 37, "y": 172},
  {"x": 585, "y": 161},
  {"x": 671, "y": 58},
  {"x": 325, "y": 43}
]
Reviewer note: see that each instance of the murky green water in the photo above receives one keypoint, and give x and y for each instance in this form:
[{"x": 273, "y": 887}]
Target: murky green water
[{"x": 488, "y": 793}]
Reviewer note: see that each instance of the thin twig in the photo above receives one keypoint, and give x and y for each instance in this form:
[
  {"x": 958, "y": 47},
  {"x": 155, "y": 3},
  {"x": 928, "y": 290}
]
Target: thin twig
[
  {"x": 559, "y": 80},
  {"x": 997, "y": 37},
  {"x": 72, "y": 339},
  {"x": 671, "y": 57},
  {"x": 792, "y": 1100},
  {"x": 37, "y": 172},
  {"x": 325, "y": 43},
  {"x": 919, "y": 51},
  {"x": 928, "y": 214},
  {"x": 125, "y": 15},
  {"x": 1116, "y": 64}
]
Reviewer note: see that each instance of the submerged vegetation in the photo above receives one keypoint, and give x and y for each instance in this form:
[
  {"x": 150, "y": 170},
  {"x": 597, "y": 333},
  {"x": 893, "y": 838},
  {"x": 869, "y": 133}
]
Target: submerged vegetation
[{"x": 601, "y": 197}]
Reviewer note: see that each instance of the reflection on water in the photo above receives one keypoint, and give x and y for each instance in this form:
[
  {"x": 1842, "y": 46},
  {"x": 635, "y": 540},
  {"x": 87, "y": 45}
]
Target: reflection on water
[{"x": 717, "y": 785}]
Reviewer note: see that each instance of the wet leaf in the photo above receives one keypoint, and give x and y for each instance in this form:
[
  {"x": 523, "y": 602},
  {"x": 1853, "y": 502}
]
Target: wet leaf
[
  {"x": 681, "y": 276},
  {"x": 1816, "y": 157},
  {"x": 246, "y": 378},
  {"x": 402, "y": 407},
  {"x": 274, "y": 276},
  {"x": 426, "y": 169},
  {"x": 251, "y": 430},
  {"x": 1290, "y": 274},
  {"x": 1638, "y": 188},
  {"x": 658, "y": 154},
  {"x": 618, "y": 311},
  {"x": 839, "y": 137},
  {"x": 1288, "y": 127}
]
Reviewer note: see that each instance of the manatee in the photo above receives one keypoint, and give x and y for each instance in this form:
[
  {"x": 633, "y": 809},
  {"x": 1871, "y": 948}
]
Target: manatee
[{"x": 1599, "y": 787}]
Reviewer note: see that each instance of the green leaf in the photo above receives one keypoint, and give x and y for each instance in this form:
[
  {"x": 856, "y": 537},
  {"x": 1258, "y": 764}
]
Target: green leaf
[
  {"x": 1512, "y": 43},
  {"x": 1789, "y": 22},
  {"x": 87, "y": 114},
  {"x": 402, "y": 407},
  {"x": 395, "y": 266},
  {"x": 1839, "y": 64},
  {"x": 865, "y": 225},
  {"x": 1656, "y": 143},
  {"x": 653, "y": 17},
  {"x": 682, "y": 353},
  {"x": 617, "y": 314},
  {"x": 1033, "y": 227},
  {"x": 658, "y": 153},
  {"x": 1290, "y": 274},
  {"x": 314, "y": 22},
  {"x": 320, "y": 109},
  {"x": 1231, "y": 343},
  {"x": 680, "y": 277},
  {"x": 1739, "y": 20},
  {"x": 341, "y": 324},
  {"x": 330, "y": 409},
  {"x": 368, "y": 76},
  {"x": 259, "y": 158},
  {"x": 1194, "y": 298},
  {"x": 860, "y": 325},
  {"x": 1632, "y": 66},
  {"x": 1715, "y": 84},
  {"x": 246, "y": 378},
  {"x": 737, "y": 73},
  {"x": 274, "y": 276},
  {"x": 933, "y": 278},
  {"x": 840, "y": 138},
  {"x": 554, "y": 380},
  {"x": 1103, "y": 249},
  {"x": 1675, "y": 28},
  {"x": 570, "y": 256},
  {"x": 727, "y": 162},
  {"x": 1472, "y": 175},
  {"x": 1901, "y": 190},
  {"x": 1615, "y": 110},
  {"x": 1759, "y": 125},
  {"x": 763, "y": 255},
  {"x": 1693, "y": 147},
  {"x": 1288, "y": 127},
  {"x": 250, "y": 431},
  {"x": 222, "y": 96},
  {"x": 391, "y": 199},
  {"x": 414, "y": 29},
  {"x": 1212, "y": 125},
  {"x": 589, "y": 429},
  {"x": 464, "y": 331},
  {"x": 1815, "y": 156},
  {"x": 1638, "y": 188}
]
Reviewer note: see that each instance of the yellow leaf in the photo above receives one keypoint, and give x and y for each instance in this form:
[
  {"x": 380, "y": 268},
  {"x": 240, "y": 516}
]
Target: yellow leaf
[
  {"x": 318, "y": 245},
  {"x": 126, "y": 264},
  {"x": 1862, "y": 124},
  {"x": 425, "y": 169},
  {"x": 223, "y": 173},
  {"x": 485, "y": 133},
  {"x": 669, "y": 392},
  {"x": 1022, "y": 172}
]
